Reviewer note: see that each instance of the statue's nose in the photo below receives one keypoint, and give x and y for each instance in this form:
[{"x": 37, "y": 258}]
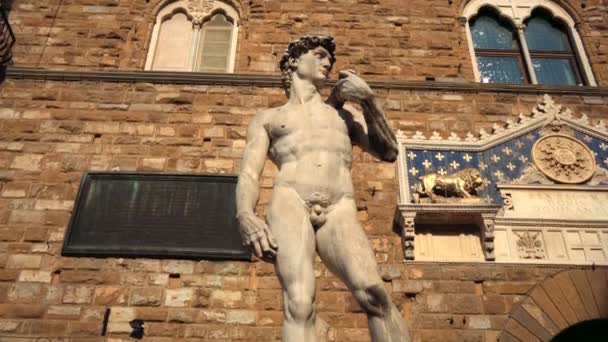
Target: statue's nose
[{"x": 325, "y": 63}]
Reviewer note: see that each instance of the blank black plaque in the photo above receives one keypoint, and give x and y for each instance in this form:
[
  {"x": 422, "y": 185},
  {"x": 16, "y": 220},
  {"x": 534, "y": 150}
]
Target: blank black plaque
[{"x": 155, "y": 215}]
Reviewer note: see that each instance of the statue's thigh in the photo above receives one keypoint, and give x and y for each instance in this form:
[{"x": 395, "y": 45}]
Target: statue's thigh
[
  {"x": 345, "y": 248},
  {"x": 290, "y": 224}
]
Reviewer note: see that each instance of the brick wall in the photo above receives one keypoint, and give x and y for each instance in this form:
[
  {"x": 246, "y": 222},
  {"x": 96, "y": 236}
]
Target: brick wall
[
  {"x": 404, "y": 40},
  {"x": 50, "y": 132}
]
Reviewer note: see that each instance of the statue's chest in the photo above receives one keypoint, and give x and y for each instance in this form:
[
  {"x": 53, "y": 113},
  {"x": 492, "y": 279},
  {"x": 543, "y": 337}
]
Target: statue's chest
[
  {"x": 306, "y": 123},
  {"x": 284, "y": 125}
]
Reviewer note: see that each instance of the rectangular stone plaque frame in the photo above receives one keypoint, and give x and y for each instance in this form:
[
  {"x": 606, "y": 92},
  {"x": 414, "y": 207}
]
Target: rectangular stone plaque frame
[
  {"x": 555, "y": 202},
  {"x": 156, "y": 215},
  {"x": 540, "y": 223}
]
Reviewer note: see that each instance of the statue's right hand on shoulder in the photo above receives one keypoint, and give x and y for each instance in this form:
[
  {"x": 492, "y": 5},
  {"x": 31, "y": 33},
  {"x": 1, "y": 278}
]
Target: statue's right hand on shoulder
[
  {"x": 351, "y": 87},
  {"x": 257, "y": 236}
]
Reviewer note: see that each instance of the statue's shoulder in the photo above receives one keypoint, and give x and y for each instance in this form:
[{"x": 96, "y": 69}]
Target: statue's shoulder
[{"x": 267, "y": 116}]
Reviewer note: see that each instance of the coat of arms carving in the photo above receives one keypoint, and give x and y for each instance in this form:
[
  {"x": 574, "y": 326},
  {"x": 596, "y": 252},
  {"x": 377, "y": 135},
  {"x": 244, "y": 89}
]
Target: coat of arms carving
[
  {"x": 529, "y": 245},
  {"x": 563, "y": 159}
]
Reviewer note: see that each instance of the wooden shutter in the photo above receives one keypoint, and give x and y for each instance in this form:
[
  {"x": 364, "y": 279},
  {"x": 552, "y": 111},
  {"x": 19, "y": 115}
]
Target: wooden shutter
[
  {"x": 174, "y": 44},
  {"x": 215, "y": 45}
]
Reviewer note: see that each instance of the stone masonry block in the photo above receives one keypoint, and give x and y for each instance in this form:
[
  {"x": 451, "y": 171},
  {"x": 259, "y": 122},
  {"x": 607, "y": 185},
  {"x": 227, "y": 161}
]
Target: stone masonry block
[{"x": 178, "y": 297}]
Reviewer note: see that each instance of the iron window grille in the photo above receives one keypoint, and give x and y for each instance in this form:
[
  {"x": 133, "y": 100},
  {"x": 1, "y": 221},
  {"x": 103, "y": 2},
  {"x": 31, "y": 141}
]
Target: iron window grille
[{"x": 7, "y": 38}]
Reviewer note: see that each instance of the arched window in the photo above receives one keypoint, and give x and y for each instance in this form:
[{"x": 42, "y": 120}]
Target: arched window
[
  {"x": 551, "y": 50},
  {"x": 194, "y": 35},
  {"x": 215, "y": 43},
  {"x": 497, "y": 50},
  {"x": 525, "y": 41},
  {"x": 174, "y": 41}
]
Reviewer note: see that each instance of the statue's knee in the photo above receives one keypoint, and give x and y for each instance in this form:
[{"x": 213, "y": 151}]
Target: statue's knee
[
  {"x": 300, "y": 308},
  {"x": 373, "y": 299}
]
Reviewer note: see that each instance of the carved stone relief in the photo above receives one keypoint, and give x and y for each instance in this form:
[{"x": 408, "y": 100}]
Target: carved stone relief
[
  {"x": 507, "y": 200},
  {"x": 487, "y": 235},
  {"x": 407, "y": 225},
  {"x": 600, "y": 177},
  {"x": 200, "y": 8},
  {"x": 438, "y": 188},
  {"x": 563, "y": 159},
  {"x": 529, "y": 246},
  {"x": 532, "y": 175}
]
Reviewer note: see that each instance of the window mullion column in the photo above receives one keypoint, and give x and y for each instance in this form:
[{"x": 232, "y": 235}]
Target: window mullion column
[
  {"x": 196, "y": 26},
  {"x": 579, "y": 50},
  {"x": 526, "y": 52},
  {"x": 473, "y": 55}
]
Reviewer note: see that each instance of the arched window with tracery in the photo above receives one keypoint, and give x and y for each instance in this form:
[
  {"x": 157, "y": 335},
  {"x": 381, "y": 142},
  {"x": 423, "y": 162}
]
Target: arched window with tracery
[
  {"x": 194, "y": 35},
  {"x": 497, "y": 50},
  {"x": 525, "y": 41},
  {"x": 215, "y": 43},
  {"x": 550, "y": 46}
]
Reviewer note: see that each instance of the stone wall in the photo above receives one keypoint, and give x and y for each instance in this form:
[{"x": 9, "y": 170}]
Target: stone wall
[
  {"x": 51, "y": 132},
  {"x": 390, "y": 39}
]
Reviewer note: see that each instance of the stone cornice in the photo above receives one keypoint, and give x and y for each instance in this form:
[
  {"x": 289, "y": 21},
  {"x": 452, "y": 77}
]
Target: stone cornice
[
  {"x": 451, "y": 208},
  {"x": 573, "y": 187},
  {"x": 157, "y": 77},
  {"x": 553, "y": 223},
  {"x": 272, "y": 80}
]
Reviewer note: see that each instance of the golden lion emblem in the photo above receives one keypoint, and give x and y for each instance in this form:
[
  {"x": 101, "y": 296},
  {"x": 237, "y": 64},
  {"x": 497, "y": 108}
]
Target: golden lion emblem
[{"x": 461, "y": 184}]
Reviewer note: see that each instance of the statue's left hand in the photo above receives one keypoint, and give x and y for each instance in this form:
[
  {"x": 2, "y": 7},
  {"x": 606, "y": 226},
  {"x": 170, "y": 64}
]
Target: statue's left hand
[{"x": 351, "y": 87}]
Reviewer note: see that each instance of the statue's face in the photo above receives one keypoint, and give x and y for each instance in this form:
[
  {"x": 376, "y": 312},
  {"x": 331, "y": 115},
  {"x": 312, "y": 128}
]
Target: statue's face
[{"x": 314, "y": 65}]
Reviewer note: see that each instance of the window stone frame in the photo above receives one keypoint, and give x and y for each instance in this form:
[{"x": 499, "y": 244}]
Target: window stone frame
[
  {"x": 199, "y": 12},
  {"x": 517, "y": 12}
]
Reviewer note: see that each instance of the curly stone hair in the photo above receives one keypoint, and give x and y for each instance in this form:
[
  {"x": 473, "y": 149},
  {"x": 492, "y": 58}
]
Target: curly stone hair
[{"x": 299, "y": 47}]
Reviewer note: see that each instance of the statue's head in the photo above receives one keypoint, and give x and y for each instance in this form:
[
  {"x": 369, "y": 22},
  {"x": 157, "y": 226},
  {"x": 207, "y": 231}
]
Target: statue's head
[
  {"x": 311, "y": 57},
  {"x": 472, "y": 178}
]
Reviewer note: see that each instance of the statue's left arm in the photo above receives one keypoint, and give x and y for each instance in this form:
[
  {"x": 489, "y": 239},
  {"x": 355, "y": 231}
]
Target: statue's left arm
[{"x": 372, "y": 133}]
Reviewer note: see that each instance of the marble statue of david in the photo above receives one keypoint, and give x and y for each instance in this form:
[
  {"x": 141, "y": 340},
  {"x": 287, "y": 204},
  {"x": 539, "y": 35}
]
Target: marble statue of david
[{"x": 312, "y": 206}]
